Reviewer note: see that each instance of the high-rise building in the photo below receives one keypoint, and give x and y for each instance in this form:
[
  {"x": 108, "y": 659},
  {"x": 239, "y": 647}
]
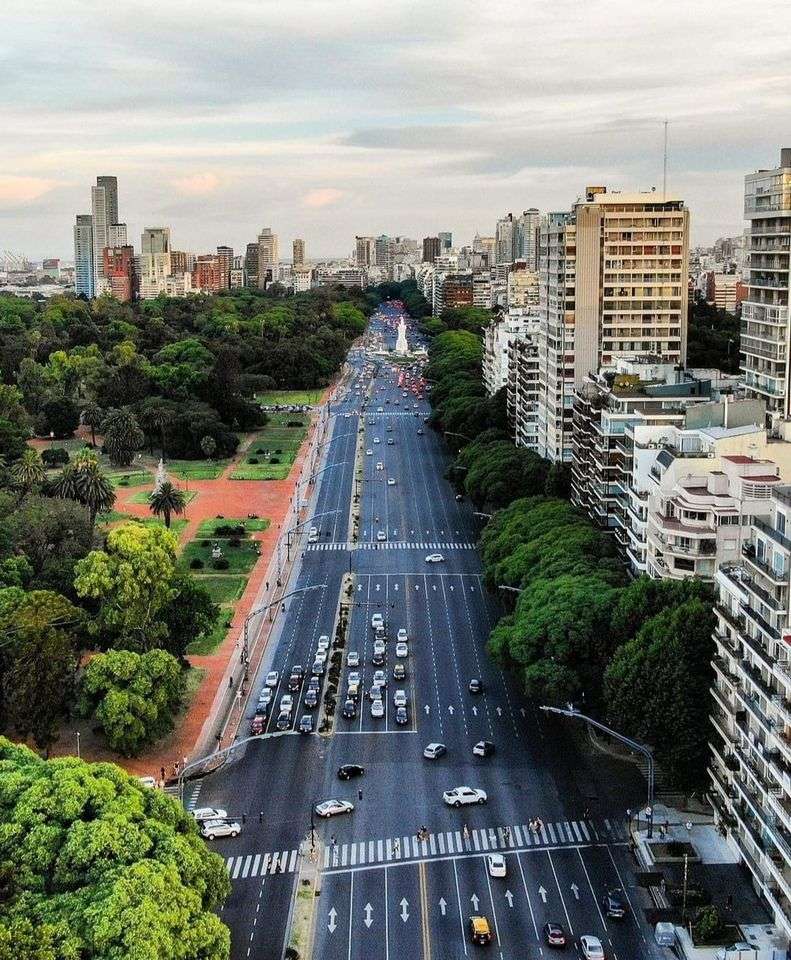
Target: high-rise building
[
  {"x": 116, "y": 235},
  {"x": 84, "y": 273},
  {"x": 179, "y": 262},
  {"x": 445, "y": 238},
  {"x": 364, "y": 251},
  {"x": 225, "y": 255},
  {"x": 504, "y": 237},
  {"x": 155, "y": 264},
  {"x": 526, "y": 237},
  {"x": 104, "y": 210},
  {"x": 251, "y": 264},
  {"x": 613, "y": 284},
  {"x": 298, "y": 252},
  {"x": 766, "y": 323},
  {"x": 431, "y": 249},
  {"x": 209, "y": 274},
  {"x": 119, "y": 272},
  {"x": 110, "y": 187},
  {"x": 268, "y": 257}
]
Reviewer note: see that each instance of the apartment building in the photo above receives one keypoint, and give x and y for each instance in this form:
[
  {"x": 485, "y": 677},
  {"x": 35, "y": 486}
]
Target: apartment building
[
  {"x": 119, "y": 272},
  {"x": 496, "y": 338},
  {"x": 522, "y": 288},
  {"x": 725, "y": 291},
  {"x": 431, "y": 249},
  {"x": 155, "y": 264},
  {"x": 750, "y": 735},
  {"x": 209, "y": 274},
  {"x": 522, "y": 388},
  {"x": 613, "y": 284},
  {"x": 298, "y": 255},
  {"x": 268, "y": 257},
  {"x": 84, "y": 274},
  {"x": 766, "y": 324}
]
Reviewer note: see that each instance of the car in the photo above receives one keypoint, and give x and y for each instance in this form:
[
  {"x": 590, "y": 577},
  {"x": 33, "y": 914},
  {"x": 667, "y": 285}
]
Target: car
[
  {"x": 483, "y": 748},
  {"x": 208, "y": 813},
  {"x": 463, "y": 796},
  {"x": 399, "y": 671},
  {"x": 262, "y": 709},
  {"x": 380, "y": 410},
  {"x": 313, "y": 535},
  {"x": 352, "y": 659},
  {"x": 314, "y": 683},
  {"x": 375, "y": 692},
  {"x": 433, "y": 751},
  {"x": 265, "y": 696},
  {"x": 591, "y": 947},
  {"x": 390, "y": 442},
  {"x": 495, "y": 864},
  {"x": 420, "y": 431},
  {"x": 475, "y": 685},
  {"x": 306, "y": 723},
  {"x": 401, "y": 716},
  {"x": 480, "y": 931},
  {"x": 286, "y": 703},
  {"x": 380, "y": 678},
  {"x": 319, "y": 666},
  {"x": 369, "y": 452},
  {"x": 283, "y": 721},
  {"x": 349, "y": 710},
  {"x": 323, "y": 644},
  {"x": 377, "y": 709},
  {"x": 402, "y": 650},
  {"x": 381, "y": 536},
  {"x": 349, "y": 770},
  {"x": 380, "y": 465},
  {"x": 295, "y": 681},
  {"x": 391, "y": 482},
  {"x": 554, "y": 935},
  {"x": 377, "y": 440},
  {"x": 354, "y": 676},
  {"x": 311, "y": 699},
  {"x": 332, "y": 808},
  {"x": 435, "y": 558},
  {"x": 389, "y": 428},
  {"x": 257, "y": 725},
  {"x": 220, "y": 828},
  {"x": 613, "y": 904},
  {"x": 272, "y": 678},
  {"x": 399, "y": 698},
  {"x": 402, "y": 635},
  {"x": 377, "y": 620}
]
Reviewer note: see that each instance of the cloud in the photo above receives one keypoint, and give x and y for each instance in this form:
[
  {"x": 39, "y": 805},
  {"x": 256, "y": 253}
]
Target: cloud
[
  {"x": 197, "y": 185},
  {"x": 14, "y": 190},
  {"x": 323, "y": 197}
]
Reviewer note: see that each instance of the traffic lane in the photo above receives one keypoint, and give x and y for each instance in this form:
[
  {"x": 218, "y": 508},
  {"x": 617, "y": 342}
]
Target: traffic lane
[
  {"x": 407, "y": 923},
  {"x": 541, "y": 887},
  {"x": 516, "y": 924},
  {"x": 582, "y": 903},
  {"x": 628, "y": 935},
  {"x": 447, "y": 918},
  {"x": 257, "y": 914},
  {"x": 474, "y": 897},
  {"x": 334, "y": 917},
  {"x": 368, "y": 916}
]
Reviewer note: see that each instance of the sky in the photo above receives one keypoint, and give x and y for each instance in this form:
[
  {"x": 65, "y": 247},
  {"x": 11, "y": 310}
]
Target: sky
[{"x": 328, "y": 118}]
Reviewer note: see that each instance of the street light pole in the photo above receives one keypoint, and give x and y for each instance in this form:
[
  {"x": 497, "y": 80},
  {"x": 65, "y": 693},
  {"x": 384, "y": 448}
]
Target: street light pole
[
  {"x": 262, "y": 609},
  {"x": 575, "y": 714},
  {"x": 325, "y": 513}
]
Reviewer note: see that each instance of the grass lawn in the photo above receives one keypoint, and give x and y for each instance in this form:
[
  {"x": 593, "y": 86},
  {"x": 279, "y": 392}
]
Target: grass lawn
[
  {"x": 215, "y": 637},
  {"x": 273, "y": 398},
  {"x": 281, "y": 442},
  {"x": 223, "y": 589},
  {"x": 240, "y": 559},
  {"x": 130, "y": 479},
  {"x": 196, "y": 469},
  {"x": 208, "y": 527},
  {"x": 145, "y": 495}
]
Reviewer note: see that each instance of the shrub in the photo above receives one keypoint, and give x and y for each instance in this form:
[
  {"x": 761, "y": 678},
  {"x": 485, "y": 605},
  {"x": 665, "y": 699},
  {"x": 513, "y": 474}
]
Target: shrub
[
  {"x": 273, "y": 460},
  {"x": 707, "y": 925},
  {"x": 221, "y": 563},
  {"x": 278, "y": 450},
  {"x": 295, "y": 423},
  {"x": 252, "y": 460},
  {"x": 235, "y": 542},
  {"x": 261, "y": 451},
  {"x": 225, "y": 530},
  {"x": 196, "y": 563}
]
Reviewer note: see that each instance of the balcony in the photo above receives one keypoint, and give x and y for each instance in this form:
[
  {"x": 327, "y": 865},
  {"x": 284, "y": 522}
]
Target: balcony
[
  {"x": 777, "y": 577},
  {"x": 734, "y": 620},
  {"x": 771, "y": 532}
]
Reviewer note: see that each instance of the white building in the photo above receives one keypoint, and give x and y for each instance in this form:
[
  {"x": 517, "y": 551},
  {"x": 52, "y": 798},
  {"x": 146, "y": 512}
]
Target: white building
[
  {"x": 155, "y": 264},
  {"x": 522, "y": 388},
  {"x": 496, "y": 337}
]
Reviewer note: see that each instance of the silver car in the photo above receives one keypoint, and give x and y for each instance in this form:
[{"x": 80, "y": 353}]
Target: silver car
[{"x": 220, "y": 828}]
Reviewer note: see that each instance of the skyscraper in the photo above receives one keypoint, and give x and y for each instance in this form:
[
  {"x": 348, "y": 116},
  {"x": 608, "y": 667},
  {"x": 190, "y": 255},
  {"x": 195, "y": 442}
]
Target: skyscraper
[
  {"x": 431, "y": 249},
  {"x": 766, "y": 320},
  {"x": 526, "y": 238},
  {"x": 251, "y": 264},
  {"x": 110, "y": 187},
  {"x": 365, "y": 251},
  {"x": 116, "y": 235},
  {"x": 104, "y": 208},
  {"x": 155, "y": 266},
  {"x": 298, "y": 248},
  {"x": 504, "y": 235},
  {"x": 268, "y": 257},
  {"x": 226, "y": 265},
  {"x": 445, "y": 241},
  {"x": 84, "y": 273}
]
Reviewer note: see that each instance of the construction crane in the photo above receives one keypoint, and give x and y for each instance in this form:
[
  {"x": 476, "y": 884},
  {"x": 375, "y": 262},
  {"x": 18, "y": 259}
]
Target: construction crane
[{"x": 16, "y": 262}]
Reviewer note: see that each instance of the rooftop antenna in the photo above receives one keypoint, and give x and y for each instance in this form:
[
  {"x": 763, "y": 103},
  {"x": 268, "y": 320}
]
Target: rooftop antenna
[{"x": 664, "y": 167}]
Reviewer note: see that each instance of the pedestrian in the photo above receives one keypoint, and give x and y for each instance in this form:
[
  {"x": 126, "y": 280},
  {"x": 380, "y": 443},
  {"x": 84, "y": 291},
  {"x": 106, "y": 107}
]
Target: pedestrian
[
  {"x": 161, "y": 773},
  {"x": 466, "y": 832},
  {"x": 176, "y": 769}
]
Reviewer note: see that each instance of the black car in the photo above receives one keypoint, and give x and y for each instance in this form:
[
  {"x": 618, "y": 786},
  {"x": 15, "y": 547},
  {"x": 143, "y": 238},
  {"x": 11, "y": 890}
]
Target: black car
[
  {"x": 262, "y": 710},
  {"x": 349, "y": 770},
  {"x": 311, "y": 699},
  {"x": 613, "y": 904},
  {"x": 349, "y": 710},
  {"x": 476, "y": 685},
  {"x": 306, "y": 724},
  {"x": 554, "y": 935}
]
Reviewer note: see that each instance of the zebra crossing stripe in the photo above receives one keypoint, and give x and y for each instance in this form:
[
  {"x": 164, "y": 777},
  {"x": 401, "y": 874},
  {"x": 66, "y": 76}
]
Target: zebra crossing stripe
[
  {"x": 353, "y": 855},
  {"x": 247, "y": 862},
  {"x": 293, "y": 861},
  {"x": 484, "y": 840},
  {"x": 256, "y": 861},
  {"x": 361, "y": 854},
  {"x": 440, "y": 842},
  {"x": 326, "y": 857},
  {"x": 475, "y": 841},
  {"x": 236, "y": 868}
]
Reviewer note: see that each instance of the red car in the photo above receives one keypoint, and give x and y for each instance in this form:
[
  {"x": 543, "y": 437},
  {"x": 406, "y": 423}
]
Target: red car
[{"x": 554, "y": 935}]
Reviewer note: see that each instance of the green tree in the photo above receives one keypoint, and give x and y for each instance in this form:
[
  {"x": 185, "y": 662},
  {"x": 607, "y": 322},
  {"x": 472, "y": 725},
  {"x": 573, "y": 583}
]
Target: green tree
[
  {"x": 102, "y": 867},
  {"x": 188, "y": 616},
  {"x": 134, "y": 696},
  {"x": 93, "y": 417},
  {"x": 122, "y": 437},
  {"x": 28, "y": 472},
  {"x": 59, "y": 416},
  {"x": 131, "y": 583},
  {"x": 208, "y": 445},
  {"x": 83, "y": 480},
  {"x": 167, "y": 500}
]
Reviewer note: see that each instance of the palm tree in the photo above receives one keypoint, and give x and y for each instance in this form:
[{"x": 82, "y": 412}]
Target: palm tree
[
  {"x": 82, "y": 480},
  {"x": 27, "y": 472},
  {"x": 92, "y": 416},
  {"x": 122, "y": 436},
  {"x": 166, "y": 500}
]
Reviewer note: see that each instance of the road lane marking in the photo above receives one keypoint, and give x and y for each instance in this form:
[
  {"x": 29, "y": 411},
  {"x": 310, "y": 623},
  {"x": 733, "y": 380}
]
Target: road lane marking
[
  {"x": 424, "y": 921},
  {"x": 458, "y": 900},
  {"x": 560, "y": 892},
  {"x": 529, "y": 904}
]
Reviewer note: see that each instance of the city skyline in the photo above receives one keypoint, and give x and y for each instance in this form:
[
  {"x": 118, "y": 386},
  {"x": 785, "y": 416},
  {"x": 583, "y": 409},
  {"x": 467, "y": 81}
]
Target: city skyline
[{"x": 459, "y": 127}]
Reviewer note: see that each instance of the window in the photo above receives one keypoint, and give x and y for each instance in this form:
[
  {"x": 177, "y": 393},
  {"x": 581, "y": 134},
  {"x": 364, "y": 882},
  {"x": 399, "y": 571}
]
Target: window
[{"x": 781, "y": 522}]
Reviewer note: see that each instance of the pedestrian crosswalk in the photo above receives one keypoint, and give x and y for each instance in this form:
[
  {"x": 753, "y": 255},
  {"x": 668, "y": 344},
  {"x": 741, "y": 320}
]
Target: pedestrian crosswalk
[
  {"x": 191, "y": 793},
  {"x": 392, "y": 545},
  {"x": 449, "y": 843}
]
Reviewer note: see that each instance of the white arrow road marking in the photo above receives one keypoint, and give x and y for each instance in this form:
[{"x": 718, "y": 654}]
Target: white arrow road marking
[
  {"x": 378, "y": 587},
  {"x": 368, "y": 911},
  {"x": 509, "y": 897},
  {"x": 450, "y": 709},
  {"x": 442, "y": 904},
  {"x": 404, "y": 911},
  {"x": 475, "y": 711},
  {"x": 499, "y": 711},
  {"x": 396, "y": 586},
  {"x": 359, "y": 586},
  {"x": 575, "y": 890},
  {"x": 434, "y": 587},
  {"x": 427, "y": 708},
  {"x": 542, "y": 893},
  {"x": 451, "y": 586},
  {"x": 474, "y": 901},
  {"x": 417, "y": 586},
  {"x": 522, "y": 711},
  {"x": 332, "y": 925}
]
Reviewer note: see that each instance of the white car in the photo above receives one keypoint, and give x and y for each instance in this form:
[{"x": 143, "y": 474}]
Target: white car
[
  {"x": 354, "y": 676},
  {"x": 377, "y": 709},
  {"x": 399, "y": 698},
  {"x": 435, "y": 558},
  {"x": 377, "y": 440},
  {"x": 380, "y": 465},
  {"x": 390, "y": 482},
  {"x": 220, "y": 828},
  {"x": 208, "y": 813},
  {"x": 331, "y": 808},
  {"x": 402, "y": 650},
  {"x": 376, "y": 692},
  {"x": 369, "y": 452},
  {"x": 591, "y": 947},
  {"x": 148, "y": 781},
  {"x": 377, "y": 620},
  {"x": 495, "y": 864},
  {"x": 265, "y": 696},
  {"x": 381, "y": 536},
  {"x": 352, "y": 659},
  {"x": 402, "y": 635},
  {"x": 272, "y": 678},
  {"x": 380, "y": 678},
  {"x": 324, "y": 642},
  {"x": 461, "y": 796},
  {"x": 432, "y": 751},
  {"x": 286, "y": 703}
]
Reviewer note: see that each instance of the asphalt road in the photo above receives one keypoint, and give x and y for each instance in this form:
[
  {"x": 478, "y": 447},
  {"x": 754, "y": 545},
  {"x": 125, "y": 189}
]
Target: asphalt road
[{"x": 384, "y": 894}]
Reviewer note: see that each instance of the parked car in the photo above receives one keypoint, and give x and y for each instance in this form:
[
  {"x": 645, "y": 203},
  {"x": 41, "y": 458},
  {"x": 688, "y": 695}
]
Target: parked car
[
  {"x": 377, "y": 709},
  {"x": 208, "y": 813},
  {"x": 349, "y": 710},
  {"x": 257, "y": 726},
  {"x": 352, "y": 659},
  {"x": 272, "y": 678},
  {"x": 401, "y": 716},
  {"x": 401, "y": 650},
  {"x": 306, "y": 723}
]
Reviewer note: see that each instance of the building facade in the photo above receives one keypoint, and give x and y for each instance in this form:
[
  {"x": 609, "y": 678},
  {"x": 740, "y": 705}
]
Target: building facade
[
  {"x": 268, "y": 257},
  {"x": 225, "y": 256},
  {"x": 298, "y": 253},
  {"x": 155, "y": 265},
  {"x": 431, "y": 249},
  {"x": 84, "y": 273},
  {"x": 119, "y": 272},
  {"x": 522, "y": 388}
]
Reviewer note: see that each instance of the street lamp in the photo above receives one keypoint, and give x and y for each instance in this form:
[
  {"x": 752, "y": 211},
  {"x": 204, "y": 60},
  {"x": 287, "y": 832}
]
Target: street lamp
[
  {"x": 479, "y": 513},
  {"x": 302, "y": 523},
  {"x": 454, "y": 433},
  {"x": 267, "y": 606},
  {"x": 503, "y": 586},
  {"x": 575, "y": 714}
]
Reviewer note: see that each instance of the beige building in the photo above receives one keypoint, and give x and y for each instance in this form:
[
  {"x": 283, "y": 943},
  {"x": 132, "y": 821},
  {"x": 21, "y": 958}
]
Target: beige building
[
  {"x": 613, "y": 285},
  {"x": 155, "y": 265},
  {"x": 268, "y": 257},
  {"x": 522, "y": 288},
  {"x": 766, "y": 324},
  {"x": 298, "y": 257}
]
